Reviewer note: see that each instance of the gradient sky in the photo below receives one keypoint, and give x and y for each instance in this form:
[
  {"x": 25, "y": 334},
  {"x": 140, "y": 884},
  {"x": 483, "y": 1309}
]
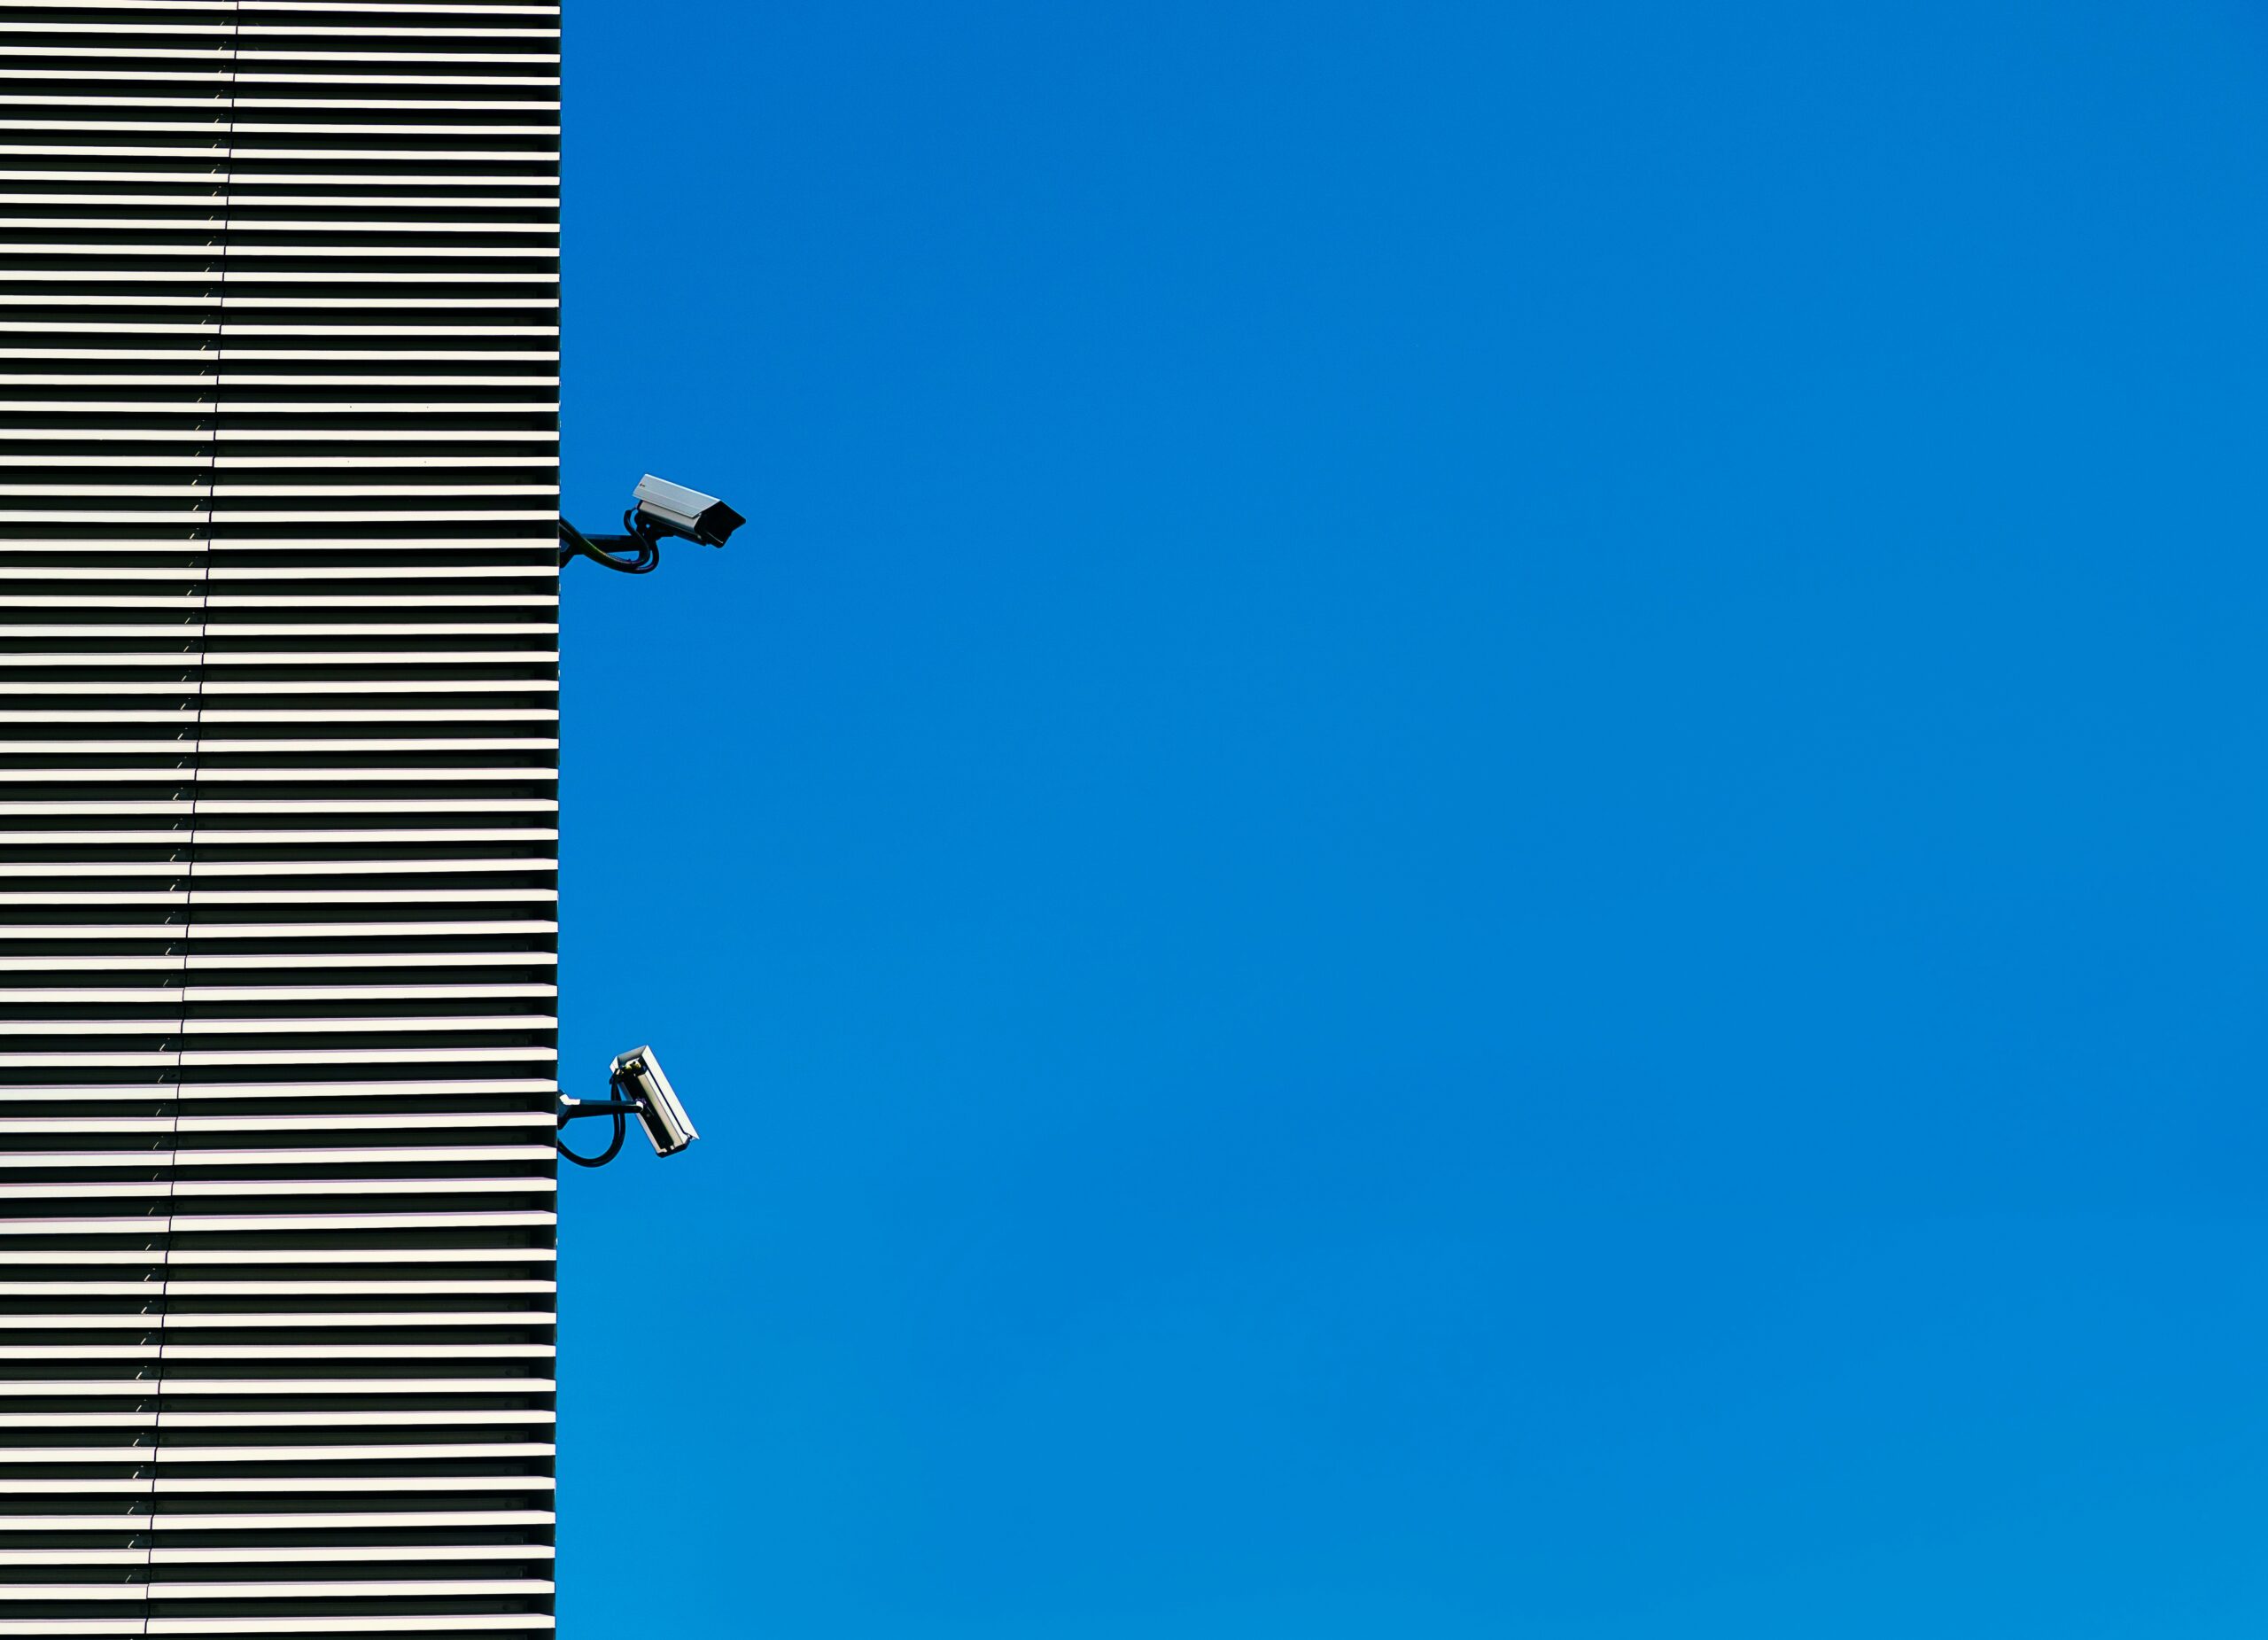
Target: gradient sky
[{"x": 1471, "y": 842}]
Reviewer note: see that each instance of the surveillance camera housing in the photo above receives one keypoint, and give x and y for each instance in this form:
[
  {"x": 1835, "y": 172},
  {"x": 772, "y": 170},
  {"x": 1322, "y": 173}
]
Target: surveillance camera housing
[
  {"x": 638, "y": 1075},
  {"x": 675, "y": 509}
]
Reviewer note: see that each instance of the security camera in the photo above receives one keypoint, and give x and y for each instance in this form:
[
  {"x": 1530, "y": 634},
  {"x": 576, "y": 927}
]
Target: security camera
[
  {"x": 638, "y": 1074},
  {"x": 641, "y": 1090},
  {"x": 660, "y": 510},
  {"x": 677, "y": 510}
]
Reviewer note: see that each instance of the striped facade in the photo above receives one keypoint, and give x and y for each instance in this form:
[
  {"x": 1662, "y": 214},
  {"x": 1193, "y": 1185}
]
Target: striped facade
[{"x": 278, "y": 484}]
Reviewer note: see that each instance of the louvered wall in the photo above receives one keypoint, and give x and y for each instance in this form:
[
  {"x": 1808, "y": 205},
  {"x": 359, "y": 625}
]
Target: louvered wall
[{"x": 278, "y": 423}]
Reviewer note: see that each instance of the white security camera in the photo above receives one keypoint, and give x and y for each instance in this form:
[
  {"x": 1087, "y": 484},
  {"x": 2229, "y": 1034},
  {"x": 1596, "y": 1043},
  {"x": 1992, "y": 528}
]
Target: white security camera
[
  {"x": 660, "y": 509},
  {"x": 640, "y": 1090},
  {"x": 638, "y": 1075},
  {"x": 677, "y": 510}
]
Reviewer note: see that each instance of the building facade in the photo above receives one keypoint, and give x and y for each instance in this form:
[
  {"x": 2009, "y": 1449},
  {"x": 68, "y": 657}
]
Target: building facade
[{"x": 278, "y": 476}]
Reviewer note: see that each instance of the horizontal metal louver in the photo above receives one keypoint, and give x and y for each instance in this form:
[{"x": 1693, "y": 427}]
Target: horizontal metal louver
[{"x": 278, "y": 708}]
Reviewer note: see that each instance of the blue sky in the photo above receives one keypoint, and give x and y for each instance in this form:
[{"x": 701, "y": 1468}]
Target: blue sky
[{"x": 1470, "y": 844}]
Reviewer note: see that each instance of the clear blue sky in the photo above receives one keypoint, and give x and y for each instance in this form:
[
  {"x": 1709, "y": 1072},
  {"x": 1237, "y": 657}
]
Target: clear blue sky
[{"x": 1472, "y": 843}]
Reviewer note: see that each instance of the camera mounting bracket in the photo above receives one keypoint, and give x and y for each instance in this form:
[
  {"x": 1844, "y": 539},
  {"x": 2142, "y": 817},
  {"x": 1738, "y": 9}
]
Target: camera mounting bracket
[
  {"x": 643, "y": 537},
  {"x": 620, "y": 1109}
]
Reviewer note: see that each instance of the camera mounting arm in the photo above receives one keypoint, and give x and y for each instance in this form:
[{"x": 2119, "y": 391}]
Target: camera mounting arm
[
  {"x": 603, "y": 549},
  {"x": 620, "y": 1109}
]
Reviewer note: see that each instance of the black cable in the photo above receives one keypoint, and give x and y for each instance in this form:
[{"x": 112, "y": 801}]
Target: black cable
[{"x": 613, "y": 1149}]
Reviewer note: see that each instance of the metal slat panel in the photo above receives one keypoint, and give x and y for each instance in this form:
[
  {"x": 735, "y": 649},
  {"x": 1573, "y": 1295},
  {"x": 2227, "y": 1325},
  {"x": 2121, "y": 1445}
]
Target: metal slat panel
[{"x": 278, "y": 427}]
